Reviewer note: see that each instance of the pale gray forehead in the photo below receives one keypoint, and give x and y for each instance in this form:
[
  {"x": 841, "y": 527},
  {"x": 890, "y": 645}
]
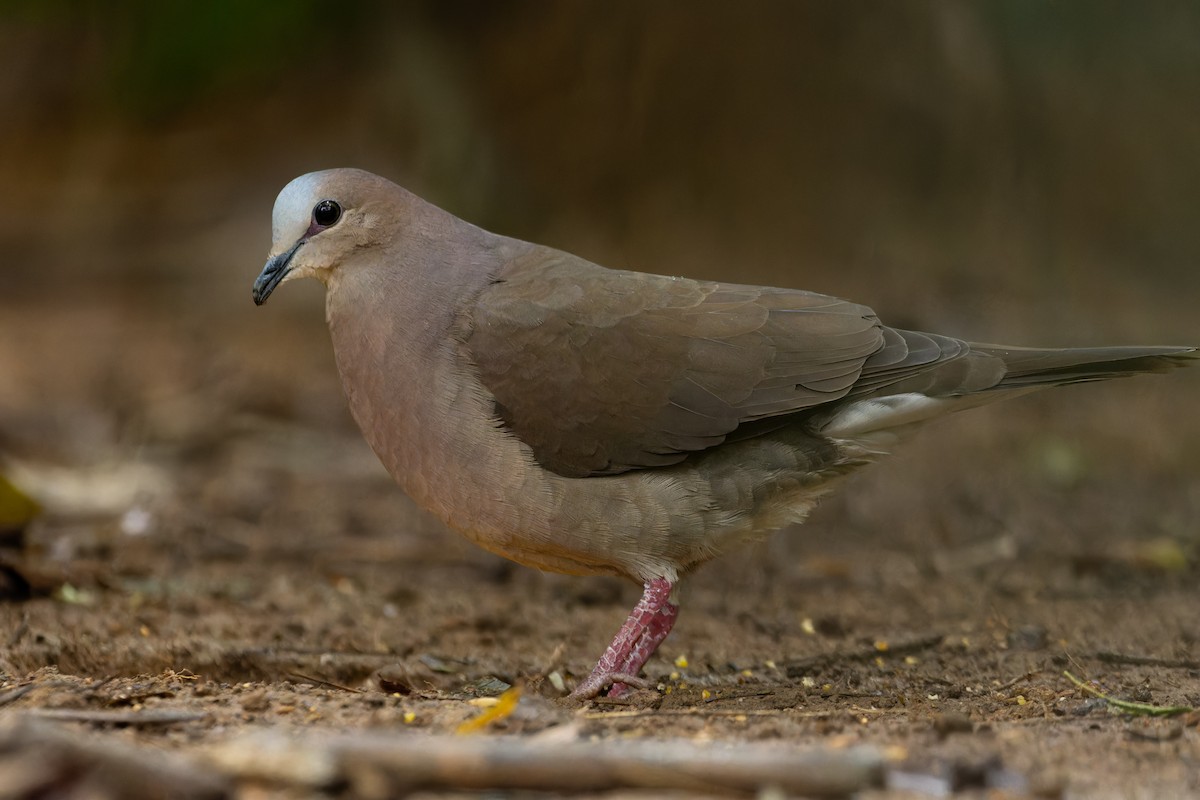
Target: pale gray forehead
[{"x": 293, "y": 207}]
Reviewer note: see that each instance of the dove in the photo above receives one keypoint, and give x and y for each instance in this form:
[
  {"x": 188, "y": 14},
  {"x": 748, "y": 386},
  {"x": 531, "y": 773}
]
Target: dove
[{"x": 595, "y": 421}]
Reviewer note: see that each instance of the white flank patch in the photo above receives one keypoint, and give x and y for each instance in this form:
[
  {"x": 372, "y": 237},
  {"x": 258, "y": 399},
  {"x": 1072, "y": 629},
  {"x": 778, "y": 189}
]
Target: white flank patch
[{"x": 883, "y": 413}]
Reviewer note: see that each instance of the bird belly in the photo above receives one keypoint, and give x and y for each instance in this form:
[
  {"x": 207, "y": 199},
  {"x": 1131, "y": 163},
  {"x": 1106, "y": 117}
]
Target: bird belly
[{"x": 443, "y": 445}]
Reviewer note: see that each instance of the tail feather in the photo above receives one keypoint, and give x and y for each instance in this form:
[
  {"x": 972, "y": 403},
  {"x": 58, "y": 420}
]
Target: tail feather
[
  {"x": 976, "y": 375},
  {"x": 1033, "y": 367}
]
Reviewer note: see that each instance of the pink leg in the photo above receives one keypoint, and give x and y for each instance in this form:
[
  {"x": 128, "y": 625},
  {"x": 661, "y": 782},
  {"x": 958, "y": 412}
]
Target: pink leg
[
  {"x": 656, "y": 631},
  {"x": 647, "y": 626}
]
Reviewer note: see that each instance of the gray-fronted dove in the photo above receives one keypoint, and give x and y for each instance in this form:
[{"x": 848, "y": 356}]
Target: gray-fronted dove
[{"x": 593, "y": 421}]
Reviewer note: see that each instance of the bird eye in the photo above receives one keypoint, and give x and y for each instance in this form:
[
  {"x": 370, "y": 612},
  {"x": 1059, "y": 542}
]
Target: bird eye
[{"x": 326, "y": 213}]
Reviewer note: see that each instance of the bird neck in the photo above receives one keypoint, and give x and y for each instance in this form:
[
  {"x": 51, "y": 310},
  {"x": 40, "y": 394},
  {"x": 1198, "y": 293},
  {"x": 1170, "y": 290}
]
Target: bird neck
[{"x": 396, "y": 327}]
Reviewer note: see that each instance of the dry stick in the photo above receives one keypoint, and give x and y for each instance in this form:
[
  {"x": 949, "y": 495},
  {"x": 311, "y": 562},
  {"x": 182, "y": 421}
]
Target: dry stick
[
  {"x": 395, "y": 764},
  {"x": 267, "y": 663},
  {"x": 699, "y": 711},
  {"x": 44, "y": 760},
  {"x": 717, "y": 698},
  {"x": 16, "y": 694},
  {"x": 137, "y": 718},
  {"x": 1016, "y": 680},
  {"x": 584, "y": 766},
  {"x": 323, "y": 682},
  {"x": 280, "y": 653}
]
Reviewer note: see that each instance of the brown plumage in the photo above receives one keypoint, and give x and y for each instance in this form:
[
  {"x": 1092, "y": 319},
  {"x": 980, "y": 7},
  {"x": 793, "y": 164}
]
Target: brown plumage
[{"x": 597, "y": 421}]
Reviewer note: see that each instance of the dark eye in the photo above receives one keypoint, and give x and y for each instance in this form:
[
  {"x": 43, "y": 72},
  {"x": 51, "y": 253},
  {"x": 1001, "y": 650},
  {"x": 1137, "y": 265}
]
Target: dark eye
[{"x": 326, "y": 213}]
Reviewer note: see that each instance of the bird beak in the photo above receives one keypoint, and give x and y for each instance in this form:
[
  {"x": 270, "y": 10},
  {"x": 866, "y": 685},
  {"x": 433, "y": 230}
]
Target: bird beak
[{"x": 273, "y": 274}]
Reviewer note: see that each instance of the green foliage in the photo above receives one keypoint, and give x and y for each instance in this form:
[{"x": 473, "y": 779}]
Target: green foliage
[
  {"x": 155, "y": 58},
  {"x": 1127, "y": 706}
]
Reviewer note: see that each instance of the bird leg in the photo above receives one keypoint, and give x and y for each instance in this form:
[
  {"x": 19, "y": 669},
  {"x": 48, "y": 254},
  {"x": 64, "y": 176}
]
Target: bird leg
[
  {"x": 649, "y": 623},
  {"x": 656, "y": 631}
]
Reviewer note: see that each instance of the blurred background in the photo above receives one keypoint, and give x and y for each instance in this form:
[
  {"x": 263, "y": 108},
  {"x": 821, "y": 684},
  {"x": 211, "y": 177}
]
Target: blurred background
[
  {"x": 1004, "y": 151},
  {"x": 1014, "y": 171},
  {"x": 182, "y": 488}
]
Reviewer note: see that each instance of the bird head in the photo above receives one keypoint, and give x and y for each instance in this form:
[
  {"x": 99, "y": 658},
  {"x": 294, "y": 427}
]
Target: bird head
[{"x": 320, "y": 221}]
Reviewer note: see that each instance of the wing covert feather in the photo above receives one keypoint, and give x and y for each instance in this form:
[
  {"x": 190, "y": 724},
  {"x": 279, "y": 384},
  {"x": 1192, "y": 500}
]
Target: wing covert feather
[{"x": 600, "y": 371}]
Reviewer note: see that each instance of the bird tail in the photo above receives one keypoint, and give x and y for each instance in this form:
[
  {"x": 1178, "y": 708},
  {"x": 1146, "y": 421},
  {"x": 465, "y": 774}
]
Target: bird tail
[
  {"x": 1032, "y": 367},
  {"x": 979, "y": 374}
]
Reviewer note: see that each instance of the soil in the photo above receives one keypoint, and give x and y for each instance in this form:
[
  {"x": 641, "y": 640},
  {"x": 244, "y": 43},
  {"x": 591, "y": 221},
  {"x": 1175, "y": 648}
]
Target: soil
[{"x": 220, "y": 555}]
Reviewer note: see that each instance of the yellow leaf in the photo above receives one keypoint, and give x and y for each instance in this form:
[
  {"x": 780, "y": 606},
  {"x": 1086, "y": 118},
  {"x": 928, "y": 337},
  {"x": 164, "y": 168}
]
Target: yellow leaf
[
  {"x": 16, "y": 509},
  {"x": 1164, "y": 553},
  {"x": 504, "y": 706}
]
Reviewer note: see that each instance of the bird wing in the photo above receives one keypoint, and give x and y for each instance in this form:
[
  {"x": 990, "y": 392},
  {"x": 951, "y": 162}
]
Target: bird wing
[{"x": 602, "y": 371}]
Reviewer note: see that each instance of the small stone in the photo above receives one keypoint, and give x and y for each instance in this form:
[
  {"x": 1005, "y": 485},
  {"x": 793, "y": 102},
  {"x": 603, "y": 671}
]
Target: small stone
[
  {"x": 256, "y": 701},
  {"x": 393, "y": 679}
]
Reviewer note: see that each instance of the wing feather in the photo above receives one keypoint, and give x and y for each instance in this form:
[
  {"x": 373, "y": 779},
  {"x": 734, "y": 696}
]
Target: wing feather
[{"x": 600, "y": 371}]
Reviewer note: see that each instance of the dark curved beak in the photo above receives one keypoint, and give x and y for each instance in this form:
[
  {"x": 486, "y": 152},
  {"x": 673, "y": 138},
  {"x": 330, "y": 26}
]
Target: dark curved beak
[{"x": 272, "y": 274}]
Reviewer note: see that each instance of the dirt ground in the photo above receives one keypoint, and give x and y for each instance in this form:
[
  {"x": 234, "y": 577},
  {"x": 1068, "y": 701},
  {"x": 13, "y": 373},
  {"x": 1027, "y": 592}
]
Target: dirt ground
[{"x": 220, "y": 557}]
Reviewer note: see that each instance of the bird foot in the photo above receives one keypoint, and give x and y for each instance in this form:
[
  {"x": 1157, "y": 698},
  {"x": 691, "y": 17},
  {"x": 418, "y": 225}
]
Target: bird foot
[{"x": 617, "y": 683}]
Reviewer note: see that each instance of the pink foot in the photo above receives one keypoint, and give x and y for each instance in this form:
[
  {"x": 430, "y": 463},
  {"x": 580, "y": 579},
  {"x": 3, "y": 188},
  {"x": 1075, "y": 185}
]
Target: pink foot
[{"x": 651, "y": 621}]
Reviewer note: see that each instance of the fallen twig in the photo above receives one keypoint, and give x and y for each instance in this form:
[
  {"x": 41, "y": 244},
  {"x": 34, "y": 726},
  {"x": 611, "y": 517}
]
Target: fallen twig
[
  {"x": 1128, "y": 706},
  {"x": 701, "y": 711},
  {"x": 43, "y": 760},
  {"x": 717, "y": 698},
  {"x": 1016, "y": 680},
  {"x": 136, "y": 718},
  {"x": 16, "y": 694},
  {"x": 322, "y": 682},
  {"x": 392, "y": 765}
]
